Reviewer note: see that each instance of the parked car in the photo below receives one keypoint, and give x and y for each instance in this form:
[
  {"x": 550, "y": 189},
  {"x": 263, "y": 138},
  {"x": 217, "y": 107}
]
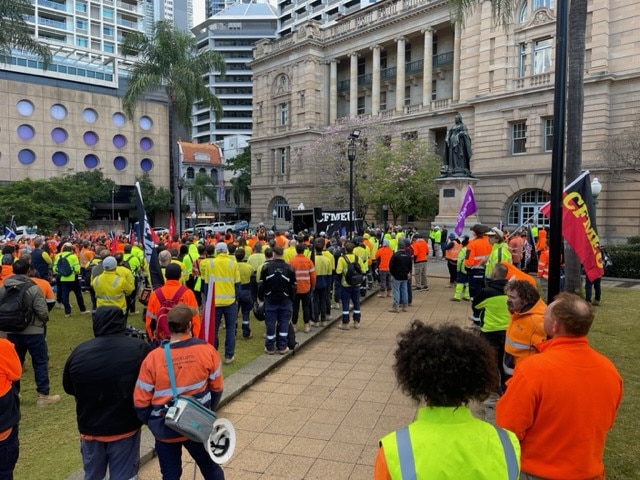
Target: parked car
[
  {"x": 239, "y": 225},
  {"x": 161, "y": 230}
]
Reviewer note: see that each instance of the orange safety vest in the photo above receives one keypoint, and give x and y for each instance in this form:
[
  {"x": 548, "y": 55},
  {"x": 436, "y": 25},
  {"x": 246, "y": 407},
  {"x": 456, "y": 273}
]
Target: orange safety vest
[{"x": 452, "y": 253}]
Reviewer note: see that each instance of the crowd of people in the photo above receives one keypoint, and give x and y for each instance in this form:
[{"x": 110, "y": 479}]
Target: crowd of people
[{"x": 302, "y": 277}]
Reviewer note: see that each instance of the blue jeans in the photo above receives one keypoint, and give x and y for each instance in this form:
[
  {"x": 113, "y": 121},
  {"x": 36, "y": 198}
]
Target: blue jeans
[
  {"x": 9, "y": 452},
  {"x": 400, "y": 294},
  {"x": 350, "y": 294},
  {"x": 122, "y": 457},
  {"x": 277, "y": 317},
  {"x": 67, "y": 288},
  {"x": 230, "y": 313},
  {"x": 36, "y": 345},
  {"x": 170, "y": 460}
]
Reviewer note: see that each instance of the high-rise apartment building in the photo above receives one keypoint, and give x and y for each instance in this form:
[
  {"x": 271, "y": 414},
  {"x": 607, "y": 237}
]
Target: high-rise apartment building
[
  {"x": 406, "y": 66},
  {"x": 69, "y": 117},
  {"x": 233, "y": 33},
  {"x": 292, "y": 13}
]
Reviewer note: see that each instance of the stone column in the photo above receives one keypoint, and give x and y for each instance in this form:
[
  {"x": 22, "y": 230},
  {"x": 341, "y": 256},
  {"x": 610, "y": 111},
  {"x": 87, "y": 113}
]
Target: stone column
[
  {"x": 353, "y": 86},
  {"x": 375, "y": 81},
  {"x": 427, "y": 66},
  {"x": 456, "y": 63},
  {"x": 400, "y": 75},
  {"x": 333, "y": 91}
]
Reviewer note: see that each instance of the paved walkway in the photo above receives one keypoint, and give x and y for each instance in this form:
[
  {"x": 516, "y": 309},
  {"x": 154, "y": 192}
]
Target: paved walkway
[{"x": 319, "y": 414}]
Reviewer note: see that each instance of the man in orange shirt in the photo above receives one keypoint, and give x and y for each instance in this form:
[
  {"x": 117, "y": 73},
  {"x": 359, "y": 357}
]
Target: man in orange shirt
[
  {"x": 10, "y": 372},
  {"x": 562, "y": 402},
  {"x": 198, "y": 373},
  {"x": 478, "y": 251},
  {"x": 383, "y": 255},
  {"x": 420, "y": 255},
  {"x": 173, "y": 273},
  {"x": 305, "y": 284}
]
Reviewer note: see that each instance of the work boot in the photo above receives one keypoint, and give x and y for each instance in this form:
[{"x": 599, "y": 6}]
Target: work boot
[
  {"x": 388, "y": 293},
  {"x": 394, "y": 309},
  {"x": 404, "y": 308},
  {"x": 595, "y": 303},
  {"x": 44, "y": 400},
  {"x": 458, "y": 292}
]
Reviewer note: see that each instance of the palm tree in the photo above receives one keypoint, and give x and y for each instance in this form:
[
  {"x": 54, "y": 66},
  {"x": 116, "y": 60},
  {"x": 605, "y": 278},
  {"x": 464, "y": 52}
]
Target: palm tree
[
  {"x": 169, "y": 60},
  {"x": 202, "y": 188},
  {"x": 503, "y": 12},
  {"x": 14, "y": 31}
]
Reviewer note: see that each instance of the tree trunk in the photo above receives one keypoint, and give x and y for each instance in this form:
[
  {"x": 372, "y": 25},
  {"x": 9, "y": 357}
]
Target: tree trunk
[
  {"x": 575, "y": 113},
  {"x": 174, "y": 162}
]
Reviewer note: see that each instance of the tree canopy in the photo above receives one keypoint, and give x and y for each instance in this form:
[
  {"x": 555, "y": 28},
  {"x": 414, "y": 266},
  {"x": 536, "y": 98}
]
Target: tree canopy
[
  {"x": 170, "y": 60},
  {"x": 389, "y": 169},
  {"x": 240, "y": 165},
  {"x": 201, "y": 188},
  {"x": 155, "y": 199},
  {"x": 30, "y": 201},
  {"x": 14, "y": 31}
]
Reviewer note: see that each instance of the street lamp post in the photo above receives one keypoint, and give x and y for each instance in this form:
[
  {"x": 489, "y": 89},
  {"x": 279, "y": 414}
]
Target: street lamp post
[
  {"x": 180, "y": 187},
  {"x": 274, "y": 214},
  {"x": 385, "y": 213},
  {"x": 351, "y": 156},
  {"x": 194, "y": 219},
  {"x": 596, "y": 188},
  {"x": 113, "y": 209}
]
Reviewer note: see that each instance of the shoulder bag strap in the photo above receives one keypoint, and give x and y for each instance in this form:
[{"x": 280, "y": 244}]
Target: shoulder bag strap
[{"x": 172, "y": 378}]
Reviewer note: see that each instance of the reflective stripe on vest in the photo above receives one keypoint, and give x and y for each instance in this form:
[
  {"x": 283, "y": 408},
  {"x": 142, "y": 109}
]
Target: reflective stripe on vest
[
  {"x": 509, "y": 454},
  {"x": 405, "y": 454}
]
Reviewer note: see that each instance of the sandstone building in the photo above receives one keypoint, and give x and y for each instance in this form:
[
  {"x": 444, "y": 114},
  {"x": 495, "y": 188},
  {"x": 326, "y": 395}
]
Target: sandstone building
[{"x": 405, "y": 64}]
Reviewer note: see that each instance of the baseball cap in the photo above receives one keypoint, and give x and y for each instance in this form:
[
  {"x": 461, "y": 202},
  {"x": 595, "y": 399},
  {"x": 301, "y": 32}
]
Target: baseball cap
[
  {"x": 385, "y": 242},
  {"x": 495, "y": 231},
  {"x": 109, "y": 263},
  {"x": 68, "y": 245},
  {"x": 452, "y": 235},
  {"x": 222, "y": 247}
]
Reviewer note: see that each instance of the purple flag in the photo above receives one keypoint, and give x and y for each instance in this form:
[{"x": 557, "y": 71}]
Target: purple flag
[{"x": 467, "y": 208}]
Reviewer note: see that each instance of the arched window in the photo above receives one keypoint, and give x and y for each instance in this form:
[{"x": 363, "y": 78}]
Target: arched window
[
  {"x": 214, "y": 176},
  {"x": 202, "y": 170},
  {"x": 190, "y": 173},
  {"x": 525, "y": 208},
  {"x": 523, "y": 12},
  {"x": 281, "y": 206}
]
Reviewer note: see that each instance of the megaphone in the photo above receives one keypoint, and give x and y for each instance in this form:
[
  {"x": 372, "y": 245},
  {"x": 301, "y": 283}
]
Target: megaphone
[{"x": 222, "y": 441}]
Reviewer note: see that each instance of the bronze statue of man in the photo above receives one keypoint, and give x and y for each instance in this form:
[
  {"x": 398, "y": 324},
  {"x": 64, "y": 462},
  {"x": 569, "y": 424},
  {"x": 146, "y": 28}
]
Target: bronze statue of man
[{"x": 457, "y": 152}]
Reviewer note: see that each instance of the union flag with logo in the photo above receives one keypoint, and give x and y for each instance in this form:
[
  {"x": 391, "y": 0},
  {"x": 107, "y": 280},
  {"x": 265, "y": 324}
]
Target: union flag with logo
[{"x": 578, "y": 225}]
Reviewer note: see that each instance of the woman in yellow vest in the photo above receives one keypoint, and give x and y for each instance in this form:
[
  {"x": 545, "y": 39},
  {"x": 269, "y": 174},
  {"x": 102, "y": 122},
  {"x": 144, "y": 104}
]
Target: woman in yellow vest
[{"x": 444, "y": 368}]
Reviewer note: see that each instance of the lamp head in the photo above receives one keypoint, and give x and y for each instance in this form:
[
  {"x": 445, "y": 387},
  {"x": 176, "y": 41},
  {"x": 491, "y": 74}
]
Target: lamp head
[{"x": 596, "y": 187}]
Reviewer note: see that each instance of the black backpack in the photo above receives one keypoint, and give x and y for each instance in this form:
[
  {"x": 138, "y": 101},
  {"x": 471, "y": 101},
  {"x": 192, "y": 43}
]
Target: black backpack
[
  {"x": 63, "y": 266},
  {"x": 353, "y": 275},
  {"x": 277, "y": 286},
  {"x": 15, "y": 314}
]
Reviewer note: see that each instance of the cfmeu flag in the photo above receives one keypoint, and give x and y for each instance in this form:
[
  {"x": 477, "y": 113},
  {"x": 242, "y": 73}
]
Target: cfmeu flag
[
  {"x": 150, "y": 253},
  {"x": 467, "y": 208},
  {"x": 578, "y": 225},
  {"x": 208, "y": 328}
]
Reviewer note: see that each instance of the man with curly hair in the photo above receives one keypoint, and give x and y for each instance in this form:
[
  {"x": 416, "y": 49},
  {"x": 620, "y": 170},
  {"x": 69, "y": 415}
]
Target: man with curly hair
[{"x": 444, "y": 368}]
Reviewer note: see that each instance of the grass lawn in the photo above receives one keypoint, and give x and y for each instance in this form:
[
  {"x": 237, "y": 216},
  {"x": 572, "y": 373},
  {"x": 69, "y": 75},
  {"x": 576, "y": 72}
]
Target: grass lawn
[{"x": 49, "y": 445}]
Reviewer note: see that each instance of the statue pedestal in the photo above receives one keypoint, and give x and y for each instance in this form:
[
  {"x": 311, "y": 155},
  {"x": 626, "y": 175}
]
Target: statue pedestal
[{"x": 452, "y": 190}]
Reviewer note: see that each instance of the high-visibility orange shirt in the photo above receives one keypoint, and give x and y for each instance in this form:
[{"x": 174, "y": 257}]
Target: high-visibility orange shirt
[
  {"x": 305, "y": 273},
  {"x": 478, "y": 251},
  {"x": 384, "y": 255},
  {"x": 420, "y": 250},
  {"x": 169, "y": 290}
]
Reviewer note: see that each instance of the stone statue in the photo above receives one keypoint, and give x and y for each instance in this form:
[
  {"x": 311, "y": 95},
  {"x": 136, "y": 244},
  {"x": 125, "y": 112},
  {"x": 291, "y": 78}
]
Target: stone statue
[{"x": 457, "y": 152}]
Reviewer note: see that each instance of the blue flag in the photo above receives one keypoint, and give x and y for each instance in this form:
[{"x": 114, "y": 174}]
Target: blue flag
[{"x": 9, "y": 233}]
